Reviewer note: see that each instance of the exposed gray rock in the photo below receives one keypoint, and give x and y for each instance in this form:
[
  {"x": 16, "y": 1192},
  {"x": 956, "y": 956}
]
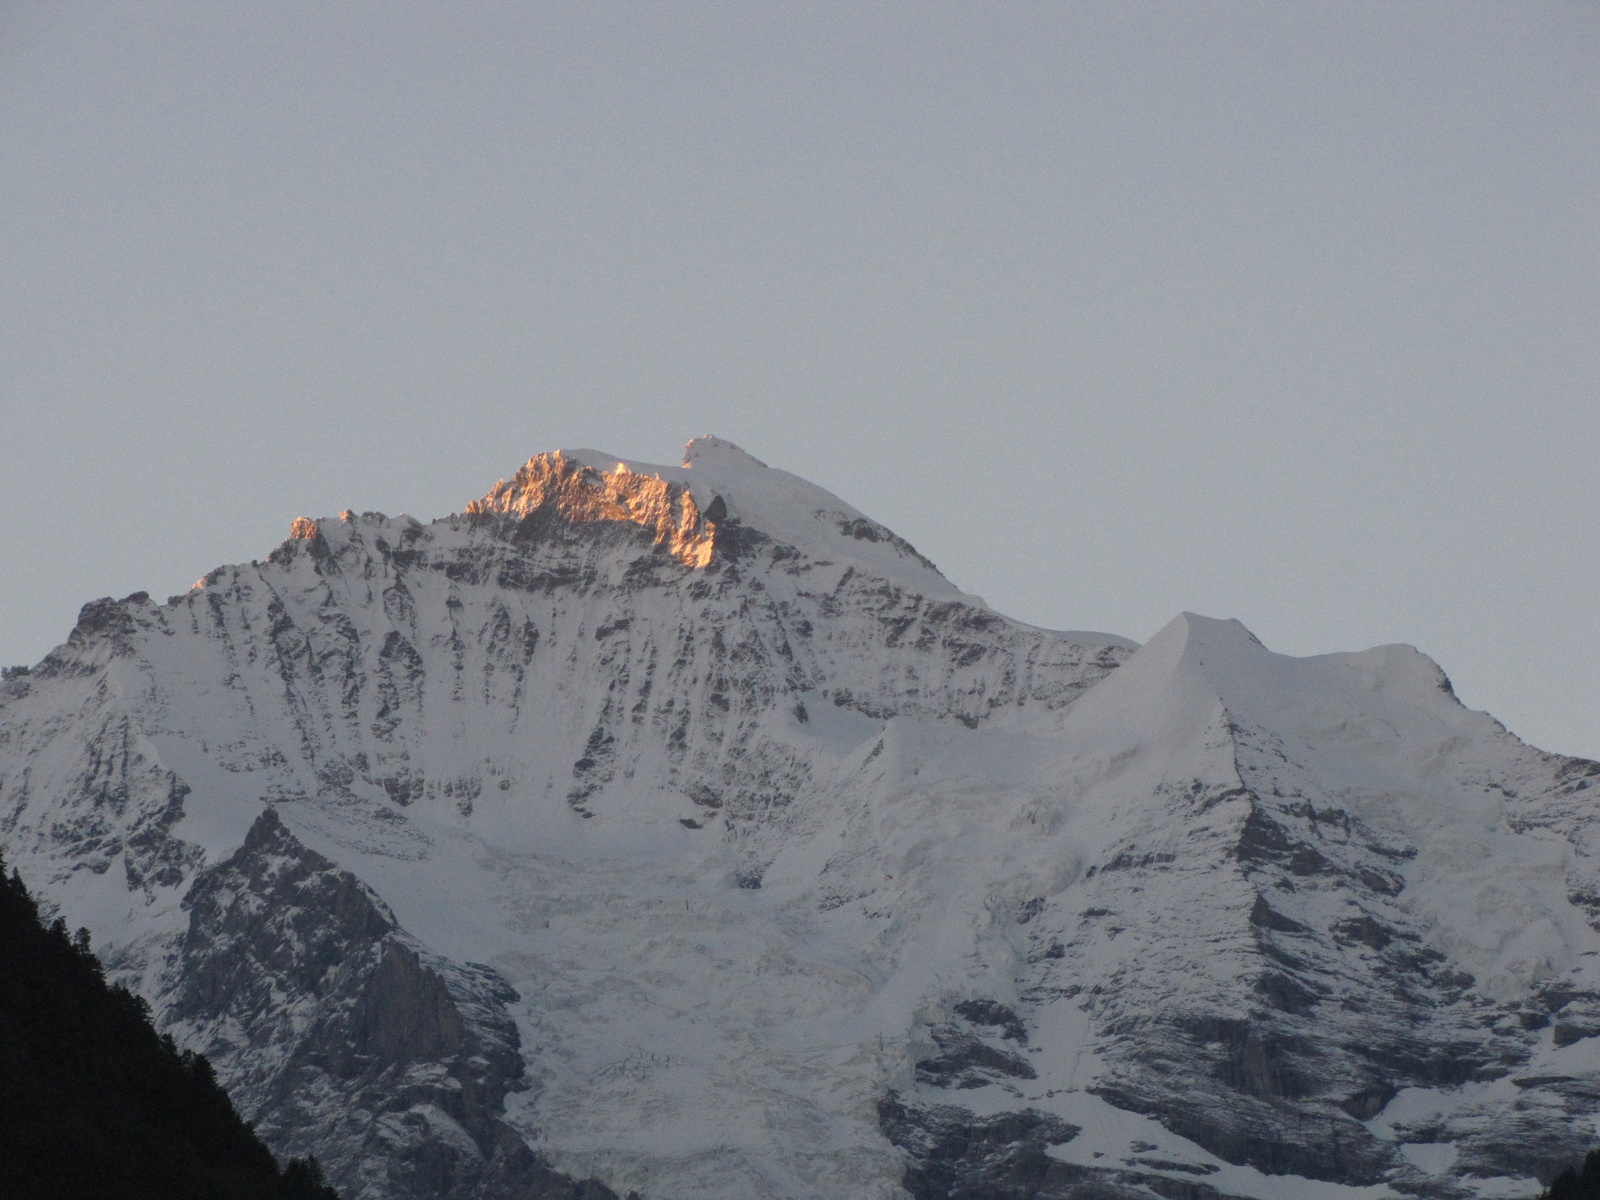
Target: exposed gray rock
[
  {"x": 954, "y": 1155},
  {"x": 339, "y": 1036}
]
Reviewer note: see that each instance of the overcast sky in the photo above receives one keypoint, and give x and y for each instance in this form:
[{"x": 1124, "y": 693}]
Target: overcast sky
[{"x": 1286, "y": 312}]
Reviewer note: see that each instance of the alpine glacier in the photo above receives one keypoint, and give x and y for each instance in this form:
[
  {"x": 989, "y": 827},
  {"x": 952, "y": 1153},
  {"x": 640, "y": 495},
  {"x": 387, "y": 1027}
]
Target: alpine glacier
[{"x": 684, "y": 832}]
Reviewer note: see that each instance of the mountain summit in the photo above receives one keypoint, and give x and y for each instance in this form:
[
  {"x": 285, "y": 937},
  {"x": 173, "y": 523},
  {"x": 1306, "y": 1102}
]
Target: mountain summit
[
  {"x": 718, "y": 488},
  {"x": 683, "y": 831}
]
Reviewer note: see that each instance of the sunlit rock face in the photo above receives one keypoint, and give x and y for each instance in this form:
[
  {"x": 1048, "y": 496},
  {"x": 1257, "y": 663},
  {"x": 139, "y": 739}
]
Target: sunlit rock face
[
  {"x": 683, "y": 831},
  {"x": 552, "y": 487}
]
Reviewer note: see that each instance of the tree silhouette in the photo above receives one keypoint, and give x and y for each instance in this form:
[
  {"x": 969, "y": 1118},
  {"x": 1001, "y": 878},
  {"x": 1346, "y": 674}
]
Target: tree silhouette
[
  {"x": 1577, "y": 1183},
  {"x": 95, "y": 1103}
]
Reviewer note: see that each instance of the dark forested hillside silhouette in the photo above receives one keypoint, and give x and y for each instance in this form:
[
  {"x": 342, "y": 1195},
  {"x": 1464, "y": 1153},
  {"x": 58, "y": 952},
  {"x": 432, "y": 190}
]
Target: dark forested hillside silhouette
[
  {"x": 94, "y": 1103},
  {"x": 1577, "y": 1183}
]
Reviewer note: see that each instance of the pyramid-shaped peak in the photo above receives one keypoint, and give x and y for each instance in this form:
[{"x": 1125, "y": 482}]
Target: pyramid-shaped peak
[
  {"x": 1189, "y": 644},
  {"x": 1204, "y": 660},
  {"x": 1203, "y": 636}
]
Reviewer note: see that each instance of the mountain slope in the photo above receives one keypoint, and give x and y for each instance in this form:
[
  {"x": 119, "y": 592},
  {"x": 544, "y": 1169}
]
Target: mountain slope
[{"x": 684, "y": 829}]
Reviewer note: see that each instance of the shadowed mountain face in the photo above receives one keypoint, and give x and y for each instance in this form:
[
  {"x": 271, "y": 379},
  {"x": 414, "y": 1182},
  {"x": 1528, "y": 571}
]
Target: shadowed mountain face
[
  {"x": 684, "y": 831},
  {"x": 343, "y": 1032}
]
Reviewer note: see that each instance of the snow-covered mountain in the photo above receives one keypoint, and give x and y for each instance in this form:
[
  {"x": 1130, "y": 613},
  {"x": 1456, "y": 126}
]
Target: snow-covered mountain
[{"x": 684, "y": 831}]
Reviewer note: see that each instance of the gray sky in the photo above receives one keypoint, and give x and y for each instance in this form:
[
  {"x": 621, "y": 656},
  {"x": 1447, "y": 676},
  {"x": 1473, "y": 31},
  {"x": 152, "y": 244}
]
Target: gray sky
[{"x": 1288, "y": 312}]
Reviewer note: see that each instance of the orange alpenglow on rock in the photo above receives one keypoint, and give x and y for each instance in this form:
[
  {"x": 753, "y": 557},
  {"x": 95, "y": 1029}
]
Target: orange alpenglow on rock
[
  {"x": 580, "y": 493},
  {"x": 304, "y": 527}
]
